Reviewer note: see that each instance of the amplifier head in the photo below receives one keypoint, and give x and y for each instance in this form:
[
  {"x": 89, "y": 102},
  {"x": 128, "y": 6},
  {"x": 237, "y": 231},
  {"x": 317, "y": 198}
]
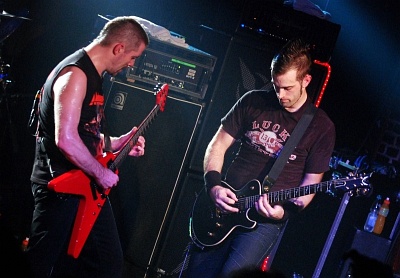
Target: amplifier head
[{"x": 186, "y": 70}]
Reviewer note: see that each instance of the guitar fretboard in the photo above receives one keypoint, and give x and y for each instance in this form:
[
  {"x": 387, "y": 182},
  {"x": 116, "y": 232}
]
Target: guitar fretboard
[
  {"x": 331, "y": 186},
  {"x": 132, "y": 142}
]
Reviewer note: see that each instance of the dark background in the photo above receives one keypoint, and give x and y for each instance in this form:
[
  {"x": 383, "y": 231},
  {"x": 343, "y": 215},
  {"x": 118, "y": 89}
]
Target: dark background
[{"x": 361, "y": 94}]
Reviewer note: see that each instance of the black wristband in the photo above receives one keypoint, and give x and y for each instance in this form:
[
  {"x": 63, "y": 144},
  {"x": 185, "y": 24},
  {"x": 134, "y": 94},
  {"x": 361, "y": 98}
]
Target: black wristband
[
  {"x": 212, "y": 178},
  {"x": 290, "y": 209}
]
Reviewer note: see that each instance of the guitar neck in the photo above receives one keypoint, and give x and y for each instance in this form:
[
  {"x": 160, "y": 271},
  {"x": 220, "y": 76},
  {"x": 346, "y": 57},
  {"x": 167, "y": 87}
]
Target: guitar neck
[
  {"x": 284, "y": 195},
  {"x": 245, "y": 203},
  {"x": 123, "y": 153}
]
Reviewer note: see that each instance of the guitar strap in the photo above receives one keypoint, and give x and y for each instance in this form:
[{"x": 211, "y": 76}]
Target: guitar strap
[{"x": 294, "y": 139}]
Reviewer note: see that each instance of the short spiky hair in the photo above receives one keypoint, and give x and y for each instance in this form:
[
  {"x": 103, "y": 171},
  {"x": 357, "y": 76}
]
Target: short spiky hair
[
  {"x": 123, "y": 29},
  {"x": 295, "y": 54}
]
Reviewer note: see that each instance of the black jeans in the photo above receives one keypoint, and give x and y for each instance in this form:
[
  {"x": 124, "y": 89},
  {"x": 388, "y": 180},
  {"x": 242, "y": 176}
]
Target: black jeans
[{"x": 52, "y": 222}]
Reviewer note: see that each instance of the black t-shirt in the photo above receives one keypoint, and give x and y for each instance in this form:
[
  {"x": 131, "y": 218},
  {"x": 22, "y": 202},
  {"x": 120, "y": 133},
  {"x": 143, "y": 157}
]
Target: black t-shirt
[
  {"x": 263, "y": 127},
  {"x": 49, "y": 161}
]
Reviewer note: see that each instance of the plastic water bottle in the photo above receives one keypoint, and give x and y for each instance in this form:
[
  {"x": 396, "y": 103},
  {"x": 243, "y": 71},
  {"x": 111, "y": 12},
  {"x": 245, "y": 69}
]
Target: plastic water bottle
[
  {"x": 380, "y": 221},
  {"x": 373, "y": 215}
]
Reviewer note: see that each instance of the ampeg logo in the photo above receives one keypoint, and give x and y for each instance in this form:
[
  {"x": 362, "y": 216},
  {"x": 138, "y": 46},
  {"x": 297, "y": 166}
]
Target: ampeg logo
[{"x": 119, "y": 100}]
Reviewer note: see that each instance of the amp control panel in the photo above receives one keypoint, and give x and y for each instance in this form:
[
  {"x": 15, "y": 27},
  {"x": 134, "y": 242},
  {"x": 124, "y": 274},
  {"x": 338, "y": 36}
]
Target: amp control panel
[{"x": 186, "y": 70}]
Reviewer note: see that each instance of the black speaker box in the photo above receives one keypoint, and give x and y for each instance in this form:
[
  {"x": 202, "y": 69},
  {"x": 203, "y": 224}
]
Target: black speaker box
[
  {"x": 369, "y": 245},
  {"x": 174, "y": 253},
  {"x": 148, "y": 184}
]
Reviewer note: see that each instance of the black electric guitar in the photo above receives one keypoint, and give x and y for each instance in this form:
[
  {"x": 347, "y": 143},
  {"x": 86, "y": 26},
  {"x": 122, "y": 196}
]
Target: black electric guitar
[{"x": 209, "y": 227}]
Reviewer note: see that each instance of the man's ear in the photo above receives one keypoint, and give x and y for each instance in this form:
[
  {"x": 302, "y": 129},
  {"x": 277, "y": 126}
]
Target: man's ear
[
  {"x": 118, "y": 48},
  {"x": 306, "y": 80}
]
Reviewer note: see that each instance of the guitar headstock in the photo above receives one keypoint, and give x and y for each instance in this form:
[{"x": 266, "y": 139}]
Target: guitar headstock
[
  {"x": 358, "y": 185},
  {"x": 161, "y": 92}
]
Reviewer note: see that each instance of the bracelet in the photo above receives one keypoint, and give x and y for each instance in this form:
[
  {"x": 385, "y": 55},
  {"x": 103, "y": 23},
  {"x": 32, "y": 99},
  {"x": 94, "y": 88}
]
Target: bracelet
[{"x": 212, "y": 178}]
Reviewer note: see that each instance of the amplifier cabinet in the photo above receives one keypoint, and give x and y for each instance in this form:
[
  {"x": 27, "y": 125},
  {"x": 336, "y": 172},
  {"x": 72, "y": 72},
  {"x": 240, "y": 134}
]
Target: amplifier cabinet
[
  {"x": 372, "y": 246},
  {"x": 148, "y": 185}
]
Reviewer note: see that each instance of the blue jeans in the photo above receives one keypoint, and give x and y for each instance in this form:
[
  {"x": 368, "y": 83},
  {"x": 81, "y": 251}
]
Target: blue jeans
[
  {"x": 52, "y": 222},
  {"x": 241, "y": 249}
]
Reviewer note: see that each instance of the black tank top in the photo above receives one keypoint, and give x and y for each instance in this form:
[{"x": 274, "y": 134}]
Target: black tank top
[{"x": 49, "y": 161}]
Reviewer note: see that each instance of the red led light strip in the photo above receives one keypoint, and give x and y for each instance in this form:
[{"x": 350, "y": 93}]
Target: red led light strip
[{"x": 328, "y": 74}]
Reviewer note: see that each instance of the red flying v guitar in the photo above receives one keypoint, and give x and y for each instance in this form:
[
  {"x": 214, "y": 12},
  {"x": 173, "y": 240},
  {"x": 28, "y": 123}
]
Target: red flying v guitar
[
  {"x": 92, "y": 197},
  {"x": 209, "y": 227}
]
